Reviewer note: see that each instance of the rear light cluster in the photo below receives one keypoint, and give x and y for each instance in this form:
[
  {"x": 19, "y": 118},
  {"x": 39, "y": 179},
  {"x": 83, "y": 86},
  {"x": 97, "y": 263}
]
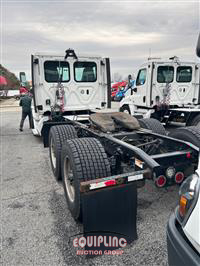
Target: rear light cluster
[
  {"x": 171, "y": 176},
  {"x": 170, "y": 173}
]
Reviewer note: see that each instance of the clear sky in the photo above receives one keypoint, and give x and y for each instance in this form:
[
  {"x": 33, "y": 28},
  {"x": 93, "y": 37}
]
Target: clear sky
[{"x": 125, "y": 31}]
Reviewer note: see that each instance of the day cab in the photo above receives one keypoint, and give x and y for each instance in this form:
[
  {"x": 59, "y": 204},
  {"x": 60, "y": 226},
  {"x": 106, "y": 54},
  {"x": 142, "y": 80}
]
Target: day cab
[
  {"x": 67, "y": 85},
  {"x": 166, "y": 90}
]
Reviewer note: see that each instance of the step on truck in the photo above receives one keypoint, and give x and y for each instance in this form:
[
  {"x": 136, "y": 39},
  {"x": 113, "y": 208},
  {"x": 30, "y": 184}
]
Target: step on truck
[
  {"x": 168, "y": 91},
  {"x": 91, "y": 149}
]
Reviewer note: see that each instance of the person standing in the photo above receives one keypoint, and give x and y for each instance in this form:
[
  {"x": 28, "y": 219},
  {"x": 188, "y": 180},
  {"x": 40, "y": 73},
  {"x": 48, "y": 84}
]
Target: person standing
[{"x": 25, "y": 103}]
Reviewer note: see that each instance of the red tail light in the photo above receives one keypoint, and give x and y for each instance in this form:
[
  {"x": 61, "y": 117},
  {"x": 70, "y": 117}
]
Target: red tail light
[
  {"x": 160, "y": 181},
  {"x": 110, "y": 183},
  {"x": 179, "y": 177},
  {"x": 188, "y": 155}
]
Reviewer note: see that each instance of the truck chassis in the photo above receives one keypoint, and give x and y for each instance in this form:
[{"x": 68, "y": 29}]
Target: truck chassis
[{"x": 125, "y": 155}]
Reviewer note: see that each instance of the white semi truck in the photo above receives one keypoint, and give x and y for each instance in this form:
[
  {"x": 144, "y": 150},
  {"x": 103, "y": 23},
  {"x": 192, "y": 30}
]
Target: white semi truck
[
  {"x": 167, "y": 91},
  {"x": 90, "y": 150},
  {"x": 67, "y": 85}
]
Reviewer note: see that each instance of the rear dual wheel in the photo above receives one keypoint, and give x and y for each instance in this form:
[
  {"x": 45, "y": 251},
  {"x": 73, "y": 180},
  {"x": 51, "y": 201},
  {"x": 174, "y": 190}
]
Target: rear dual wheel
[
  {"x": 190, "y": 134},
  {"x": 152, "y": 124},
  {"x": 81, "y": 160},
  {"x": 57, "y": 136},
  {"x": 195, "y": 121}
]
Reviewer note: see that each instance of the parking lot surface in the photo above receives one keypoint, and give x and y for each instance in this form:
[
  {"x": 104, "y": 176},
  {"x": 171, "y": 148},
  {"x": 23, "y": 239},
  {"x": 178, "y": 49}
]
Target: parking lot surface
[{"x": 36, "y": 223}]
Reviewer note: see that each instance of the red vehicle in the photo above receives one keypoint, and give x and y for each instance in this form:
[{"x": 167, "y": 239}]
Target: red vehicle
[
  {"x": 23, "y": 90},
  {"x": 115, "y": 88}
]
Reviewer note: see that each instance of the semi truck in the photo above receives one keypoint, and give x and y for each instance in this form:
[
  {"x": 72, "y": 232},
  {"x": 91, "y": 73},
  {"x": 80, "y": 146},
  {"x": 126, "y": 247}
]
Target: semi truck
[
  {"x": 166, "y": 90},
  {"x": 92, "y": 148}
]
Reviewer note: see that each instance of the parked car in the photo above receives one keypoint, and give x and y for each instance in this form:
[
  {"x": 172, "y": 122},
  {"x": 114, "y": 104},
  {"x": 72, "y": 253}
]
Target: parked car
[{"x": 12, "y": 93}]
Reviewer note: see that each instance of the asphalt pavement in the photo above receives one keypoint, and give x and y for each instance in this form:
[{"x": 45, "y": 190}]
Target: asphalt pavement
[{"x": 35, "y": 222}]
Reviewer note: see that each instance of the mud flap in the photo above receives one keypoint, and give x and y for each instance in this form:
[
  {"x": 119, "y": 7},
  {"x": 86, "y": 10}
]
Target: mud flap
[{"x": 110, "y": 212}]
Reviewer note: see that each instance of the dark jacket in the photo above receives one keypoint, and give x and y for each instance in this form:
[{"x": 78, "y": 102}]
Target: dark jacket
[{"x": 25, "y": 102}]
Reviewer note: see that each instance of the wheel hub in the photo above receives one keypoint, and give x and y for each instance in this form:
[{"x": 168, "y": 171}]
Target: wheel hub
[
  {"x": 53, "y": 153},
  {"x": 69, "y": 180}
]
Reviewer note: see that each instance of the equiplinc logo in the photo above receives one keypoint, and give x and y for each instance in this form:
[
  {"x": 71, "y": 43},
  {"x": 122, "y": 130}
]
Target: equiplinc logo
[{"x": 99, "y": 245}]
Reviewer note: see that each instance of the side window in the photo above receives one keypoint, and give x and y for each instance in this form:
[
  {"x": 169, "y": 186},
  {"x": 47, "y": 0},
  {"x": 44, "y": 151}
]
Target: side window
[
  {"x": 184, "y": 74},
  {"x": 165, "y": 74},
  {"x": 85, "y": 71},
  {"x": 141, "y": 78},
  {"x": 55, "y": 71}
]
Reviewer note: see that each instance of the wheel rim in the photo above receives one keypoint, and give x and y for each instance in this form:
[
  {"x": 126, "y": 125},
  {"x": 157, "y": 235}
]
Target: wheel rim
[
  {"x": 69, "y": 180},
  {"x": 53, "y": 153},
  {"x": 126, "y": 111}
]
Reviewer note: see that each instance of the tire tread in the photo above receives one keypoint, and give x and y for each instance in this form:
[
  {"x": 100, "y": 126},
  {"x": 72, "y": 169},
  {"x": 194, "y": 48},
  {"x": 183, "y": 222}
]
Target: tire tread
[
  {"x": 152, "y": 124},
  {"x": 60, "y": 134}
]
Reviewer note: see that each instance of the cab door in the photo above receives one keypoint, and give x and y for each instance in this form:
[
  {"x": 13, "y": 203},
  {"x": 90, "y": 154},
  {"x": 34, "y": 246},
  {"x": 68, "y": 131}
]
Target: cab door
[
  {"x": 86, "y": 89},
  {"x": 183, "y": 90},
  {"x": 174, "y": 84},
  {"x": 140, "y": 89},
  {"x": 162, "y": 83}
]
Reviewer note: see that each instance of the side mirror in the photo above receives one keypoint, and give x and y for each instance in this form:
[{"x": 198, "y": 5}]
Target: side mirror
[
  {"x": 133, "y": 90},
  {"x": 129, "y": 80},
  {"x": 198, "y": 47},
  {"x": 22, "y": 77}
]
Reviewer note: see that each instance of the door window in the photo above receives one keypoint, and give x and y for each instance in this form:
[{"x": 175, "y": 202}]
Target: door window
[
  {"x": 55, "y": 71},
  {"x": 141, "y": 78},
  {"x": 184, "y": 74},
  {"x": 85, "y": 71},
  {"x": 165, "y": 74}
]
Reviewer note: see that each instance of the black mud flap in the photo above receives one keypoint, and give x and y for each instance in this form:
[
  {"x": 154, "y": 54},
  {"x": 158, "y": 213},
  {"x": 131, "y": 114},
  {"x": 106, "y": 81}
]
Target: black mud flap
[
  {"x": 109, "y": 218},
  {"x": 46, "y": 128}
]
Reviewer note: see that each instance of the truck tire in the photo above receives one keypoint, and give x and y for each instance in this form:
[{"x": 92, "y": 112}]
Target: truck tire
[
  {"x": 57, "y": 136},
  {"x": 125, "y": 108},
  {"x": 82, "y": 160},
  {"x": 152, "y": 124},
  {"x": 195, "y": 121},
  {"x": 190, "y": 134}
]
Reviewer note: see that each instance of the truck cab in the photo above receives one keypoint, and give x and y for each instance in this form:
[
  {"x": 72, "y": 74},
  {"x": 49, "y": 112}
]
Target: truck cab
[
  {"x": 164, "y": 85},
  {"x": 68, "y": 85}
]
